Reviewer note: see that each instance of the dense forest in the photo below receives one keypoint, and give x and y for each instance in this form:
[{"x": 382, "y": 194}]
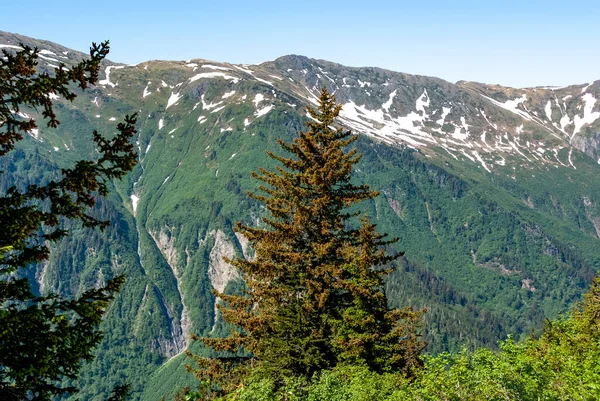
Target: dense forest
[{"x": 560, "y": 363}]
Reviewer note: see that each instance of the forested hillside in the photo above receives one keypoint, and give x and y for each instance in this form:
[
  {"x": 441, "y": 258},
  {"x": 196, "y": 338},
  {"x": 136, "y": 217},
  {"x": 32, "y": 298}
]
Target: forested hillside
[{"x": 492, "y": 193}]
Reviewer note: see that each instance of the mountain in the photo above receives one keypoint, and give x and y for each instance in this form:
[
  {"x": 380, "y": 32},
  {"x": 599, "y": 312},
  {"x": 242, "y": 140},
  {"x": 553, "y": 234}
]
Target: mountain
[{"x": 493, "y": 192}]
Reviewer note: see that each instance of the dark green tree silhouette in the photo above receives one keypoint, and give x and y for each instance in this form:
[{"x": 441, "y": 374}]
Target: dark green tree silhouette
[{"x": 44, "y": 338}]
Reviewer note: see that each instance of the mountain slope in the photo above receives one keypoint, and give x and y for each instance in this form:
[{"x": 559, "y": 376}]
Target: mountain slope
[{"x": 493, "y": 194}]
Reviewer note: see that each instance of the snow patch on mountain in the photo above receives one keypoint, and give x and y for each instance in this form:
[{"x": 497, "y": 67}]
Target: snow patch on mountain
[
  {"x": 589, "y": 116},
  {"x": 564, "y": 122},
  {"x": 40, "y": 55},
  {"x": 512, "y": 106},
  {"x": 263, "y": 111},
  {"x": 386, "y": 106},
  {"x": 174, "y": 98},
  {"x": 445, "y": 112},
  {"x": 244, "y": 69},
  {"x": 11, "y": 47},
  {"x": 215, "y": 67},
  {"x": 381, "y": 125},
  {"x": 586, "y": 87},
  {"x": 259, "y": 97},
  {"x": 548, "y": 110},
  {"x": 35, "y": 133},
  {"x": 106, "y": 81},
  {"x": 480, "y": 160},
  {"x": 208, "y": 106},
  {"x": 264, "y": 81},
  {"x": 570, "y": 160},
  {"x": 146, "y": 91},
  {"x": 214, "y": 75},
  {"x": 461, "y": 132},
  {"x": 422, "y": 102}
]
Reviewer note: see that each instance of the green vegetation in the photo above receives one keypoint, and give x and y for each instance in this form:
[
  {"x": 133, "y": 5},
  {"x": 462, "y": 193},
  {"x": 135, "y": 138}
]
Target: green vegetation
[
  {"x": 487, "y": 254},
  {"x": 562, "y": 364},
  {"x": 313, "y": 295},
  {"x": 308, "y": 324},
  {"x": 44, "y": 338}
]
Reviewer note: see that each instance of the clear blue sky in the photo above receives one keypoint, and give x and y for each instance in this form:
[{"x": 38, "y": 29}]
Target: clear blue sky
[{"x": 513, "y": 43}]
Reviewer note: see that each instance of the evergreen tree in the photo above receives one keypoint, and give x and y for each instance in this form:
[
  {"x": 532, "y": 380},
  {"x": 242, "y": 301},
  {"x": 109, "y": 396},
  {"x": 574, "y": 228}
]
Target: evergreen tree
[
  {"x": 314, "y": 291},
  {"x": 586, "y": 317},
  {"x": 45, "y": 337}
]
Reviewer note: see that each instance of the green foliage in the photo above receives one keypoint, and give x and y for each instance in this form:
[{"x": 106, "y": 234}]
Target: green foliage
[
  {"x": 563, "y": 364},
  {"x": 45, "y": 338},
  {"x": 469, "y": 237},
  {"x": 120, "y": 393},
  {"x": 470, "y": 242}
]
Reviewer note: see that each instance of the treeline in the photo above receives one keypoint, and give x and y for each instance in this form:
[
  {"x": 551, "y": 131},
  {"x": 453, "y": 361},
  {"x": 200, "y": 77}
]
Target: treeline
[{"x": 560, "y": 364}]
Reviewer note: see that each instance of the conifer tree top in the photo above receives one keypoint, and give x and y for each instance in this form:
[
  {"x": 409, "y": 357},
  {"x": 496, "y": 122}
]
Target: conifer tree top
[{"x": 314, "y": 291}]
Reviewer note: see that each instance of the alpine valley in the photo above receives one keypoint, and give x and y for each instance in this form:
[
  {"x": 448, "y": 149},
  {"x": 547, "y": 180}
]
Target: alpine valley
[{"x": 493, "y": 192}]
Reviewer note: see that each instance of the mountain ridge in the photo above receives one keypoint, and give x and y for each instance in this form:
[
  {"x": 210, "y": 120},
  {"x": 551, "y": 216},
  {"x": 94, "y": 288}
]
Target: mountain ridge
[
  {"x": 15, "y": 38},
  {"x": 560, "y": 119},
  {"x": 489, "y": 251}
]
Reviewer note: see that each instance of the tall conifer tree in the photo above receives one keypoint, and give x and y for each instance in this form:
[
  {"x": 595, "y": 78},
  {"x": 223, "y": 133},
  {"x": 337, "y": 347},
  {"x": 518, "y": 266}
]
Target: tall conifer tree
[
  {"x": 314, "y": 291},
  {"x": 44, "y": 338}
]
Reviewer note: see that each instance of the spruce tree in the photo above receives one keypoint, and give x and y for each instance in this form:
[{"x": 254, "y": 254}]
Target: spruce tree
[
  {"x": 44, "y": 338},
  {"x": 314, "y": 290}
]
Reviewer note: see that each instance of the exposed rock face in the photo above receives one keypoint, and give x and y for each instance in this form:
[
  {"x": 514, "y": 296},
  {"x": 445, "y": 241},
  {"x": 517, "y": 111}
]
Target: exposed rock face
[
  {"x": 139, "y": 319},
  {"x": 593, "y": 217},
  {"x": 396, "y": 207},
  {"x": 245, "y": 245},
  {"x": 100, "y": 280},
  {"x": 40, "y": 275},
  {"x": 165, "y": 241},
  {"x": 177, "y": 342},
  {"x": 527, "y": 284},
  {"x": 588, "y": 144},
  {"x": 219, "y": 271}
]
